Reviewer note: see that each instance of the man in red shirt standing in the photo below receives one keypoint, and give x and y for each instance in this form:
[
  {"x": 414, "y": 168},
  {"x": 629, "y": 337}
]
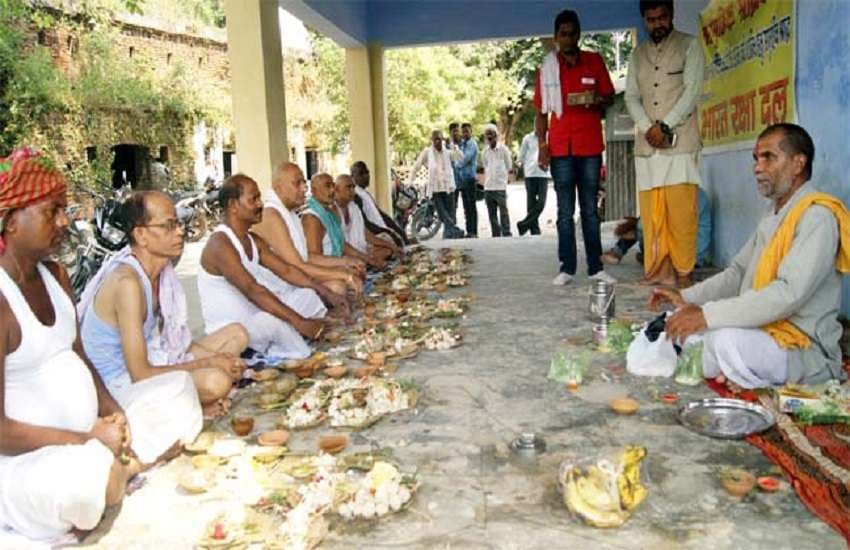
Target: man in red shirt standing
[{"x": 573, "y": 89}]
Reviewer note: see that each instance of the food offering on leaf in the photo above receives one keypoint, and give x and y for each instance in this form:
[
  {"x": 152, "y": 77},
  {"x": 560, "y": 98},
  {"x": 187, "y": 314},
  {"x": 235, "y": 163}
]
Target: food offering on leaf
[
  {"x": 307, "y": 410},
  {"x": 456, "y": 280},
  {"x": 359, "y": 403},
  {"x": 382, "y": 491},
  {"x": 604, "y": 493},
  {"x": 441, "y": 338},
  {"x": 449, "y": 308}
]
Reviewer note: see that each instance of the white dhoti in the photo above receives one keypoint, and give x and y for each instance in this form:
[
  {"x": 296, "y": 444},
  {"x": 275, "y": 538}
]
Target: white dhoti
[
  {"x": 303, "y": 301},
  {"x": 749, "y": 358},
  {"x": 274, "y": 337},
  {"x": 161, "y": 411},
  {"x": 45, "y": 493}
]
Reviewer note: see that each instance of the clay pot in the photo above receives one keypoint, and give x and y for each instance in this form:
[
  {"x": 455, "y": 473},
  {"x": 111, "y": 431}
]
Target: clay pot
[
  {"x": 332, "y": 444},
  {"x": 336, "y": 372},
  {"x": 273, "y": 438},
  {"x": 376, "y": 359},
  {"x": 205, "y": 462},
  {"x": 768, "y": 484},
  {"x": 333, "y": 336},
  {"x": 266, "y": 375},
  {"x": 362, "y": 372},
  {"x": 737, "y": 482},
  {"x": 624, "y": 405},
  {"x": 304, "y": 371},
  {"x": 242, "y": 426}
]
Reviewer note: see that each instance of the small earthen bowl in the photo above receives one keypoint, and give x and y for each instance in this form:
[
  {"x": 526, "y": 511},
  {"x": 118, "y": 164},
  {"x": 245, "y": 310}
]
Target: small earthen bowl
[
  {"x": 376, "y": 359},
  {"x": 242, "y": 426},
  {"x": 305, "y": 371},
  {"x": 333, "y": 336},
  {"x": 332, "y": 444},
  {"x": 768, "y": 484},
  {"x": 204, "y": 462},
  {"x": 273, "y": 438},
  {"x": 441, "y": 287},
  {"x": 402, "y": 296},
  {"x": 624, "y": 405},
  {"x": 364, "y": 371},
  {"x": 336, "y": 372},
  {"x": 266, "y": 375},
  {"x": 737, "y": 482}
]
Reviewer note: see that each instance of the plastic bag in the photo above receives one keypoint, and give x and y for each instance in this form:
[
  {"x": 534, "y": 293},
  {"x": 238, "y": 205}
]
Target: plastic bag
[
  {"x": 603, "y": 491},
  {"x": 569, "y": 370},
  {"x": 646, "y": 358},
  {"x": 689, "y": 367}
]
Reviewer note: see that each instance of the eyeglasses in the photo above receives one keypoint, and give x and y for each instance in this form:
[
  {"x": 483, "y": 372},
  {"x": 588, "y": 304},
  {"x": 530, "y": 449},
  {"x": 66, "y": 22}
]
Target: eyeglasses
[{"x": 170, "y": 225}]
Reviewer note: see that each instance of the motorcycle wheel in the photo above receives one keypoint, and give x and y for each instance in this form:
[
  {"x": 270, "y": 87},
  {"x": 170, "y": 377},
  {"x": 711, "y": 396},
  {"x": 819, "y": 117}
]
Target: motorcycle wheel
[
  {"x": 197, "y": 228},
  {"x": 425, "y": 223}
]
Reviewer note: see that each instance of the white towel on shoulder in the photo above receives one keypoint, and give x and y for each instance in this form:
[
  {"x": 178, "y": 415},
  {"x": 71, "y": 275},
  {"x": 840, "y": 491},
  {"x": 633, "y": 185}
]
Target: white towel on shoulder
[{"x": 550, "y": 85}]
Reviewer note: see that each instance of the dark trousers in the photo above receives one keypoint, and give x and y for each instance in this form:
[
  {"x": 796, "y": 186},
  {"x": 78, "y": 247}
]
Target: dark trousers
[
  {"x": 535, "y": 202},
  {"x": 466, "y": 193},
  {"x": 497, "y": 209},
  {"x": 444, "y": 203},
  {"x": 582, "y": 173}
]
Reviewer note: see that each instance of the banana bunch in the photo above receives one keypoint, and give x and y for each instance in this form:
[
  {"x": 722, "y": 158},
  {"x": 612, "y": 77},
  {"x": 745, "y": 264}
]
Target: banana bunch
[{"x": 605, "y": 494}]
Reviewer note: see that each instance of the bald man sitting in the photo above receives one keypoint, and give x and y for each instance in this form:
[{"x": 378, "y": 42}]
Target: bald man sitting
[
  {"x": 282, "y": 230},
  {"x": 323, "y": 227},
  {"x": 354, "y": 225},
  {"x": 233, "y": 281}
]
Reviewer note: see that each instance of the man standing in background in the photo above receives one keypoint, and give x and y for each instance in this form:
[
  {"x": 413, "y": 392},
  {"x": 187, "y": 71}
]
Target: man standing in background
[
  {"x": 536, "y": 185},
  {"x": 662, "y": 89}
]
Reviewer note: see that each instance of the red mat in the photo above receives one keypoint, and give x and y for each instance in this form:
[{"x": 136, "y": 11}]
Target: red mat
[{"x": 815, "y": 459}]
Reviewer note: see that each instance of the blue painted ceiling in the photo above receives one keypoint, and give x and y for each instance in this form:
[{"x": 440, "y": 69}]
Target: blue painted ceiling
[{"x": 400, "y": 23}]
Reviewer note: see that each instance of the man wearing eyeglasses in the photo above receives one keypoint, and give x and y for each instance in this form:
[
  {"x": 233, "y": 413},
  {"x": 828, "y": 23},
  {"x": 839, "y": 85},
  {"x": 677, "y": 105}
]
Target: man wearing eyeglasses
[{"x": 134, "y": 325}]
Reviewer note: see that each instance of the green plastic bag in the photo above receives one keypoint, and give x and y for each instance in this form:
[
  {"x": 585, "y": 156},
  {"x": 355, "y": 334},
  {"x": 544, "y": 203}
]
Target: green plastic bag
[
  {"x": 689, "y": 365},
  {"x": 569, "y": 370}
]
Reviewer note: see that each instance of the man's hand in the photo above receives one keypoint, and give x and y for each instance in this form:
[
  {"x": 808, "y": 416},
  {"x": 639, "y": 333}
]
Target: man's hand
[
  {"x": 311, "y": 329},
  {"x": 230, "y": 364},
  {"x": 355, "y": 284},
  {"x": 655, "y": 137},
  {"x": 112, "y": 431},
  {"x": 688, "y": 320},
  {"x": 356, "y": 265},
  {"x": 543, "y": 157},
  {"x": 660, "y": 296}
]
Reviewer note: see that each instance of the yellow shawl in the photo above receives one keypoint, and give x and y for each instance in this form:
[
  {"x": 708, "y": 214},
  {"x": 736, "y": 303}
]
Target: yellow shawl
[{"x": 784, "y": 332}]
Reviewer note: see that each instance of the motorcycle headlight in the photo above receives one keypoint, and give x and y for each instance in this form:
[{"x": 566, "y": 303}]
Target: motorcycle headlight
[{"x": 112, "y": 235}]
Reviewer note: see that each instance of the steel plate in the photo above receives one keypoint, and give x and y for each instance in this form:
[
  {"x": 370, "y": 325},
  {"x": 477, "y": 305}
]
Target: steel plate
[{"x": 725, "y": 418}]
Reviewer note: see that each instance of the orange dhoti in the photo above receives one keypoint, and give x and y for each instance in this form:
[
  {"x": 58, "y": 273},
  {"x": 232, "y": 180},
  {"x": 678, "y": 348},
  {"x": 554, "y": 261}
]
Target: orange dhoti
[{"x": 670, "y": 215}]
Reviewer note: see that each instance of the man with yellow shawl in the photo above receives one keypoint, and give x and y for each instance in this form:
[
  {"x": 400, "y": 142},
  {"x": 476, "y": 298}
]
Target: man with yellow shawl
[{"x": 771, "y": 317}]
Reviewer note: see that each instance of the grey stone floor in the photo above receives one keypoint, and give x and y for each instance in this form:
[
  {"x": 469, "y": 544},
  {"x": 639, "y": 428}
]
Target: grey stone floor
[{"x": 475, "y": 493}]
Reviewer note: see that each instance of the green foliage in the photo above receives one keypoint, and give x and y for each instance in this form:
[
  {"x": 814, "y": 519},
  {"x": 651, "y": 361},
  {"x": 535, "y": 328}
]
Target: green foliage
[{"x": 102, "y": 101}]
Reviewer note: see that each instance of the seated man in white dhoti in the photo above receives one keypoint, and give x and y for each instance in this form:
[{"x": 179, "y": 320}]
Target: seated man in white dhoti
[
  {"x": 323, "y": 227},
  {"x": 134, "y": 329},
  {"x": 354, "y": 227},
  {"x": 62, "y": 435},
  {"x": 281, "y": 228},
  {"x": 377, "y": 221},
  {"x": 771, "y": 317},
  {"x": 234, "y": 281}
]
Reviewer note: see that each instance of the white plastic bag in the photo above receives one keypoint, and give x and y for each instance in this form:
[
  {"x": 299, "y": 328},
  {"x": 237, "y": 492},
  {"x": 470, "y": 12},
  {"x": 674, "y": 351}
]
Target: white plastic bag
[{"x": 646, "y": 358}]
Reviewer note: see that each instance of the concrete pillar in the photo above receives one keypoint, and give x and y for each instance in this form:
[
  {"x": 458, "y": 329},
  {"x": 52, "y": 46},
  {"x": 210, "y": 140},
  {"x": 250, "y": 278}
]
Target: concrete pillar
[
  {"x": 256, "y": 75},
  {"x": 367, "y": 99}
]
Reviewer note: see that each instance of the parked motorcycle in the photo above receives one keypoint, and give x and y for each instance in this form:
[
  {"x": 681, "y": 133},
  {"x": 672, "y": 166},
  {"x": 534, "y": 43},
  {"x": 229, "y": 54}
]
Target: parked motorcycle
[
  {"x": 90, "y": 243},
  {"x": 192, "y": 214},
  {"x": 416, "y": 216}
]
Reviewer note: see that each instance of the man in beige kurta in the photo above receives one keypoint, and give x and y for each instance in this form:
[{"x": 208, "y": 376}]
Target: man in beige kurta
[{"x": 662, "y": 89}]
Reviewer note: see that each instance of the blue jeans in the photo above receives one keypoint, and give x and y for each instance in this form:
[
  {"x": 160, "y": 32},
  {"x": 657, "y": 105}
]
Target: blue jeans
[{"x": 569, "y": 173}]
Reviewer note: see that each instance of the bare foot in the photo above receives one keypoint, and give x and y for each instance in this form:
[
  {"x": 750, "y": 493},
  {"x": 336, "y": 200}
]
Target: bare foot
[
  {"x": 216, "y": 408},
  {"x": 733, "y": 387},
  {"x": 684, "y": 280}
]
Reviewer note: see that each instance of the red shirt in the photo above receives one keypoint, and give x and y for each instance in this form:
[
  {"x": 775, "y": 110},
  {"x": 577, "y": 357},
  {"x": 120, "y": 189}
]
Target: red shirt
[{"x": 578, "y": 131}]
